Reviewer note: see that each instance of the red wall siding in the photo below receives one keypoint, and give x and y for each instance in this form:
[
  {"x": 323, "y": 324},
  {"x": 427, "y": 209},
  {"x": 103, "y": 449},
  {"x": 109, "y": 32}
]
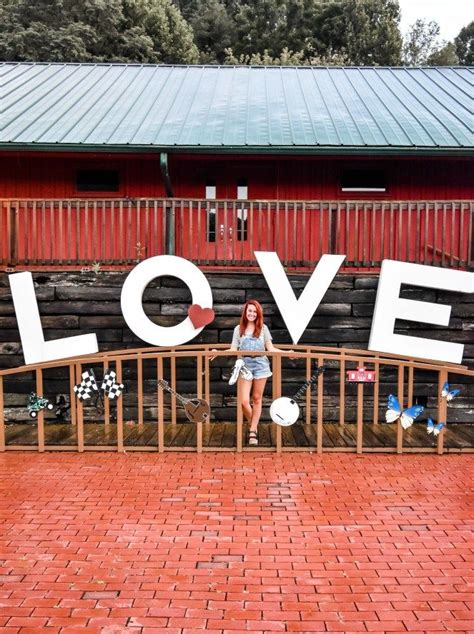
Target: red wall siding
[{"x": 287, "y": 178}]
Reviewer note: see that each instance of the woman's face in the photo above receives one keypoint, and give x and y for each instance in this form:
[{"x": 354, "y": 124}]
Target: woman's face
[{"x": 251, "y": 313}]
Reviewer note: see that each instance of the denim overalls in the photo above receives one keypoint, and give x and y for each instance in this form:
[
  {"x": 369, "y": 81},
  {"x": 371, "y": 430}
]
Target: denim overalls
[{"x": 259, "y": 366}]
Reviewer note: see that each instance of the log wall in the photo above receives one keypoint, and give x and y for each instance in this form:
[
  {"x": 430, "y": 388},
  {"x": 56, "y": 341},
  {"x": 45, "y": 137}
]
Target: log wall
[{"x": 77, "y": 303}]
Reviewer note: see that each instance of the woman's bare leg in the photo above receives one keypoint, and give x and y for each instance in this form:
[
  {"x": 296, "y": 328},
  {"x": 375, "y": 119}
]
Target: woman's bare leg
[
  {"x": 245, "y": 387},
  {"x": 257, "y": 396}
]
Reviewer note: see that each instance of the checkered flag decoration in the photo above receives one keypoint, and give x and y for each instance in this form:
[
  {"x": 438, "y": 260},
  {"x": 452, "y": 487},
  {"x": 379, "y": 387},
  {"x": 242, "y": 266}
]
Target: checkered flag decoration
[
  {"x": 87, "y": 386},
  {"x": 111, "y": 388}
]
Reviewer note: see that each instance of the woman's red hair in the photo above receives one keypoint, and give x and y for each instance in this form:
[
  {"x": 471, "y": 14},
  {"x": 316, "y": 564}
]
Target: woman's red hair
[{"x": 258, "y": 322}]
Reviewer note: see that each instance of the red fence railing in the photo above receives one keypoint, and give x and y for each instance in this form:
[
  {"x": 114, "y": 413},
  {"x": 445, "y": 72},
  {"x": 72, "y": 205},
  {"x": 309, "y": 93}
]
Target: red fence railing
[{"x": 76, "y": 233}]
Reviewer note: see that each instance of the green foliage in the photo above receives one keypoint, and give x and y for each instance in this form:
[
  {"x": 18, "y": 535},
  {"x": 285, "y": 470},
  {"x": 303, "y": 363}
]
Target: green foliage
[
  {"x": 286, "y": 58},
  {"x": 314, "y": 31},
  {"x": 142, "y": 31},
  {"x": 283, "y": 32},
  {"x": 464, "y": 44},
  {"x": 365, "y": 32},
  {"x": 162, "y": 22},
  {"x": 444, "y": 56},
  {"x": 421, "y": 42},
  {"x": 210, "y": 22}
]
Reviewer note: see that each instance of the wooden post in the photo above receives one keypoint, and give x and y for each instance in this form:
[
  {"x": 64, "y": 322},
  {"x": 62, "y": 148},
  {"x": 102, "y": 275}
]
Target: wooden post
[
  {"x": 207, "y": 382},
  {"x": 199, "y": 395},
  {"x": 319, "y": 425},
  {"x": 376, "y": 393},
  {"x": 80, "y": 414},
  {"x": 277, "y": 394},
  {"x": 140, "y": 390},
  {"x": 72, "y": 395},
  {"x": 161, "y": 429},
  {"x": 173, "y": 386},
  {"x": 360, "y": 415},
  {"x": 342, "y": 391},
  {"x": 401, "y": 375},
  {"x": 106, "y": 400},
  {"x": 118, "y": 368},
  {"x": 442, "y": 409},
  {"x": 240, "y": 416},
  {"x": 2, "y": 418},
  {"x": 308, "y": 391},
  {"x": 410, "y": 386},
  {"x": 39, "y": 392}
]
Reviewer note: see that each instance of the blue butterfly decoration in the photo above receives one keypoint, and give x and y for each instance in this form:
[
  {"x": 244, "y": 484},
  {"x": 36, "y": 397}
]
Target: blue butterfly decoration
[
  {"x": 406, "y": 417},
  {"x": 434, "y": 429},
  {"x": 448, "y": 394}
]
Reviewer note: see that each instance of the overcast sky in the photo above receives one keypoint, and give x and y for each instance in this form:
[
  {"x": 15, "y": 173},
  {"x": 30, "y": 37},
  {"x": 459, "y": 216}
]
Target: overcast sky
[{"x": 451, "y": 15}]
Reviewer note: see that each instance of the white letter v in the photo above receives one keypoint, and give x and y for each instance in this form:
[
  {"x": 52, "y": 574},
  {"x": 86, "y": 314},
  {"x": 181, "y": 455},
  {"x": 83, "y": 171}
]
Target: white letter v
[{"x": 297, "y": 313}]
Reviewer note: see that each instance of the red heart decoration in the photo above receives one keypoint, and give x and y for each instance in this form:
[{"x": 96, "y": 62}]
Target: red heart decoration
[{"x": 200, "y": 316}]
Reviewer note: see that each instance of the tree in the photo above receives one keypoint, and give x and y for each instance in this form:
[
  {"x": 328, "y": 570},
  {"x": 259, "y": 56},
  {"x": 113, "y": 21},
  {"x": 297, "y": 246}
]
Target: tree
[
  {"x": 358, "y": 31},
  {"x": 286, "y": 58},
  {"x": 421, "y": 42},
  {"x": 365, "y": 31},
  {"x": 141, "y": 31},
  {"x": 260, "y": 26},
  {"x": 444, "y": 56},
  {"x": 172, "y": 37},
  {"x": 212, "y": 27},
  {"x": 464, "y": 43}
]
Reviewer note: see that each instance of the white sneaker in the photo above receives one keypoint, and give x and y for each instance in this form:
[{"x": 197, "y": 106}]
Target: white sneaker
[
  {"x": 236, "y": 371},
  {"x": 245, "y": 373}
]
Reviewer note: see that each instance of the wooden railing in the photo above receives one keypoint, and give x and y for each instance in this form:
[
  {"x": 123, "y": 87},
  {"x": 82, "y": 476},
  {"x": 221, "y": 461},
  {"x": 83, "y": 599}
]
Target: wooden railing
[
  {"x": 144, "y": 416},
  {"x": 119, "y": 233}
]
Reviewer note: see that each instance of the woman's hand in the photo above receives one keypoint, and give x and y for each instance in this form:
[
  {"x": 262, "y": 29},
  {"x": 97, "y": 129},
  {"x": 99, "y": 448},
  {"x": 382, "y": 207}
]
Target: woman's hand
[{"x": 211, "y": 358}]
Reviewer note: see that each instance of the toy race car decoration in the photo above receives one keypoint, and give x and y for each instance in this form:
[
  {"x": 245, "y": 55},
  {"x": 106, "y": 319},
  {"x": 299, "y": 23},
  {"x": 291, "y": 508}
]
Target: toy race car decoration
[{"x": 36, "y": 403}]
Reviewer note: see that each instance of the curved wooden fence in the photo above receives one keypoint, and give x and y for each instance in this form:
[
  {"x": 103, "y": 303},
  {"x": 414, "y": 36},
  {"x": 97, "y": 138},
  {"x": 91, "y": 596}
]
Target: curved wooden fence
[{"x": 336, "y": 415}]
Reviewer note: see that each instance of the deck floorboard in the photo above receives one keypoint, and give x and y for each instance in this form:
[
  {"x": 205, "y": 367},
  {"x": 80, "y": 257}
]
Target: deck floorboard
[{"x": 224, "y": 435}]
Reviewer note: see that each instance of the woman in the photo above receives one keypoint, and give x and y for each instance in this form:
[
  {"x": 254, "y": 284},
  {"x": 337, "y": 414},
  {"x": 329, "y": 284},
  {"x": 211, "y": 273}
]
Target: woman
[{"x": 252, "y": 334}]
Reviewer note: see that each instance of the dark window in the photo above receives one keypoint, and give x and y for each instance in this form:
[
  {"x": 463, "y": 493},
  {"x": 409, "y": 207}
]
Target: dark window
[
  {"x": 97, "y": 181},
  {"x": 211, "y": 225},
  {"x": 242, "y": 211},
  {"x": 211, "y": 211},
  {"x": 363, "y": 180}
]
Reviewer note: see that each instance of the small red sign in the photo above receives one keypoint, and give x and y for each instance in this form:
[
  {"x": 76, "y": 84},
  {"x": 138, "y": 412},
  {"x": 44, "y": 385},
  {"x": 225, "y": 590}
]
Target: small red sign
[{"x": 361, "y": 375}]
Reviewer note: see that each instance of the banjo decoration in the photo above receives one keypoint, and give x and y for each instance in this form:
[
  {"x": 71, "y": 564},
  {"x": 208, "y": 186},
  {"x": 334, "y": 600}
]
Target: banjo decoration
[
  {"x": 285, "y": 411},
  {"x": 197, "y": 410}
]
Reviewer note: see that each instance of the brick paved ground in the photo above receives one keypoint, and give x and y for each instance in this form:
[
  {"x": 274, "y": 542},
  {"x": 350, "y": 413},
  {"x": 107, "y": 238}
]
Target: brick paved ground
[{"x": 181, "y": 543}]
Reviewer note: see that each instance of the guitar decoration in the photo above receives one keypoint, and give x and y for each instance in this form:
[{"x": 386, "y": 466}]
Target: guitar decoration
[
  {"x": 285, "y": 411},
  {"x": 197, "y": 410},
  {"x": 406, "y": 417},
  {"x": 449, "y": 394}
]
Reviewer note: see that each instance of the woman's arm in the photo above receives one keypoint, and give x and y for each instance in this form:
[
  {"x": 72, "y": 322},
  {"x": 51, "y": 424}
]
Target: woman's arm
[
  {"x": 269, "y": 343},
  {"x": 233, "y": 346},
  {"x": 270, "y": 347}
]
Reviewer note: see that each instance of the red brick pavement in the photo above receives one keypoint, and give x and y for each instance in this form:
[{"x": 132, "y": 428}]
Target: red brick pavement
[{"x": 181, "y": 543}]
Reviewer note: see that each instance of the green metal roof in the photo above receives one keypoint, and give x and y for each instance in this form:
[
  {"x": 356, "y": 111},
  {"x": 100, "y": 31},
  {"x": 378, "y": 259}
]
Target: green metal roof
[{"x": 235, "y": 108}]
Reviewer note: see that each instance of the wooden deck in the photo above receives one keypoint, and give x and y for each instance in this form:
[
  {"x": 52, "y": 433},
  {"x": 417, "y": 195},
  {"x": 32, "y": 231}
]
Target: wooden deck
[{"x": 223, "y": 437}]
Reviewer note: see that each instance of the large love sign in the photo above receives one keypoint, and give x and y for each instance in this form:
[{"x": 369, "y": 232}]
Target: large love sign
[{"x": 296, "y": 313}]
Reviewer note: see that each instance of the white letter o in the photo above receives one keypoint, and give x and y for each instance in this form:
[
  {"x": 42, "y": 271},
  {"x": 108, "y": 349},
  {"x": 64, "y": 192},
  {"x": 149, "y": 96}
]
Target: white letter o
[{"x": 134, "y": 287}]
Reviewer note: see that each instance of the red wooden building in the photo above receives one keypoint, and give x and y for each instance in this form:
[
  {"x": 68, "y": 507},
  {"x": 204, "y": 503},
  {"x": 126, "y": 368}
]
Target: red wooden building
[{"x": 115, "y": 163}]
